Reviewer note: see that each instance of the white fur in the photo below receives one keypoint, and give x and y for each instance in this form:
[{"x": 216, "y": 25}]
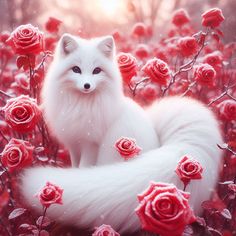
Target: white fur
[{"x": 108, "y": 193}]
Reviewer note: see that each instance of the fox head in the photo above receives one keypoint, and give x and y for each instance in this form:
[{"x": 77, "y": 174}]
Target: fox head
[{"x": 86, "y": 66}]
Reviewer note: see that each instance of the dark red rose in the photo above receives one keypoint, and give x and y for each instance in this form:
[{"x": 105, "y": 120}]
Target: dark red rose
[
  {"x": 22, "y": 113},
  {"x": 188, "y": 46},
  {"x": 164, "y": 209},
  {"x": 205, "y": 74},
  {"x": 127, "y": 65},
  {"x": 227, "y": 110},
  {"x": 180, "y": 17},
  {"x": 52, "y": 25},
  {"x": 157, "y": 70},
  {"x": 105, "y": 230},
  {"x": 212, "y": 18},
  {"x": 17, "y": 154},
  {"x": 26, "y": 39},
  {"x": 50, "y": 194}
]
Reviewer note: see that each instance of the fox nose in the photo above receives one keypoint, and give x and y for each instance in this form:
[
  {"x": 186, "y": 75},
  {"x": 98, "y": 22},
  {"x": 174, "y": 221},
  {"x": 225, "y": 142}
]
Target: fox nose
[{"x": 87, "y": 86}]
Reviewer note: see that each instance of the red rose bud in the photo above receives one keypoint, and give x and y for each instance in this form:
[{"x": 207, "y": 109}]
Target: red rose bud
[
  {"x": 212, "y": 18},
  {"x": 17, "y": 154},
  {"x": 188, "y": 46},
  {"x": 50, "y": 194},
  {"x": 157, "y": 70},
  {"x": 163, "y": 209},
  {"x": 127, "y": 148},
  {"x": 180, "y": 18},
  {"x": 26, "y": 39},
  {"x": 22, "y": 113},
  {"x": 188, "y": 169},
  {"x": 227, "y": 110},
  {"x": 205, "y": 74},
  {"x": 127, "y": 65},
  {"x": 105, "y": 230},
  {"x": 52, "y": 25}
]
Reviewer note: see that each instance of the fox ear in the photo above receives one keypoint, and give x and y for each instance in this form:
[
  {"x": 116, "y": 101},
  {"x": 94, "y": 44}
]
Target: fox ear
[
  {"x": 107, "y": 46},
  {"x": 68, "y": 44}
]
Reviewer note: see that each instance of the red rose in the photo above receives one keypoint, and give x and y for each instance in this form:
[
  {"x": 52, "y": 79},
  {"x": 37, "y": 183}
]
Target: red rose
[
  {"x": 139, "y": 29},
  {"x": 22, "y": 113},
  {"x": 205, "y": 74},
  {"x": 50, "y": 194},
  {"x": 214, "y": 59},
  {"x": 52, "y": 25},
  {"x": 26, "y": 39},
  {"x": 127, "y": 148},
  {"x": 105, "y": 230},
  {"x": 227, "y": 110},
  {"x": 157, "y": 70},
  {"x": 188, "y": 46},
  {"x": 164, "y": 209},
  {"x": 142, "y": 51},
  {"x": 127, "y": 65},
  {"x": 212, "y": 18},
  {"x": 17, "y": 154},
  {"x": 188, "y": 169},
  {"x": 180, "y": 17}
]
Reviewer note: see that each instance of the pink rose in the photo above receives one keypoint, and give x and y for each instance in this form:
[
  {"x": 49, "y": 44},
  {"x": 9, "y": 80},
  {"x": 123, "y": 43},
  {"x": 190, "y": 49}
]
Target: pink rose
[
  {"x": 127, "y": 147},
  {"x": 227, "y": 110},
  {"x": 212, "y": 18},
  {"x": 105, "y": 230},
  {"x": 157, "y": 70},
  {"x": 180, "y": 17},
  {"x": 188, "y": 46},
  {"x": 164, "y": 209},
  {"x": 188, "y": 169},
  {"x": 26, "y": 39},
  {"x": 127, "y": 65},
  {"x": 17, "y": 154},
  {"x": 205, "y": 74},
  {"x": 50, "y": 194},
  {"x": 22, "y": 113}
]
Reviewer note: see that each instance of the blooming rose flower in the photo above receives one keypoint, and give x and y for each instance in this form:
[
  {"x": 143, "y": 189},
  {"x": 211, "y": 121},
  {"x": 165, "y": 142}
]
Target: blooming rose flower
[
  {"x": 127, "y": 65},
  {"x": 50, "y": 194},
  {"x": 139, "y": 29},
  {"x": 180, "y": 17},
  {"x": 52, "y": 25},
  {"x": 205, "y": 74},
  {"x": 214, "y": 59},
  {"x": 17, "y": 154},
  {"x": 164, "y": 209},
  {"x": 26, "y": 39},
  {"x": 212, "y": 18},
  {"x": 188, "y": 169},
  {"x": 157, "y": 70},
  {"x": 105, "y": 230},
  {"x": 21, "y": 113},
  {"x": 127, "y": 147},
  {"x": 188, "y": 46},
  {"x": 227, "y": 110},
  {"x": 141, "y": 51}
]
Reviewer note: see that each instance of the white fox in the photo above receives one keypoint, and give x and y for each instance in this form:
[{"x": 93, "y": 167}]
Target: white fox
[{"x": 87, "y": 111}]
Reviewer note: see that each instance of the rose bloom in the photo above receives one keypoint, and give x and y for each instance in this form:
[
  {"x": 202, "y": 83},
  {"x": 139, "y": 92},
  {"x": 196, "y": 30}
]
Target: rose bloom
[
  {"x": 212, "y": 18},
  {"x": 139, "y": 29},
  {"x": 127, "y": 65},
  {"x": 141, "y": 51},
  {"x": 26, "y": 39},
  {"x": 164, "y": 209},
  {"x": 22, "y": 113},
  {"x": 17, "y": 154},
  {"x": 187, "y": 46},
  {"x": 50, "y": 194},
  {"x": 205, "y": 74},
  {"x": 227, "y": 110},
  {"x": 214, "y": 59},
  {"x": 188, "y": 169},
  {"x": 127, "y": 147},
  {"x": 105, "y": 230},
  {"x": 157, "y": 70},
  {"x": 52, "y": 25},
  {"x": 180, "y": 18}
]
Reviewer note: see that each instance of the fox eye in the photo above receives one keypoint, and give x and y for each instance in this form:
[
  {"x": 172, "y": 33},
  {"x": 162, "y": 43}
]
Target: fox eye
[
  {"x": 97, "y": 70},
  {"x": 76, "y": 69}
]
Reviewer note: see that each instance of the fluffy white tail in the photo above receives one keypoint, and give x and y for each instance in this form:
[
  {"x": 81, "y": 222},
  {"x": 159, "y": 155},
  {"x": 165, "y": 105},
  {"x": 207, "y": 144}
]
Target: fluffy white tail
[{"x": 108, "y": 194}]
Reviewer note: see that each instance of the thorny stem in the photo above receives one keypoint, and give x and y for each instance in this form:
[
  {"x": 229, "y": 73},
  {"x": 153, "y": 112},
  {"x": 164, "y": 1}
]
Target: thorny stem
[
  {"x": 226, "y": 148},
  {"x": 41, "y": 223},
  {"x": 133, "y": 89},
  {"x": 5, "y": 94}
]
